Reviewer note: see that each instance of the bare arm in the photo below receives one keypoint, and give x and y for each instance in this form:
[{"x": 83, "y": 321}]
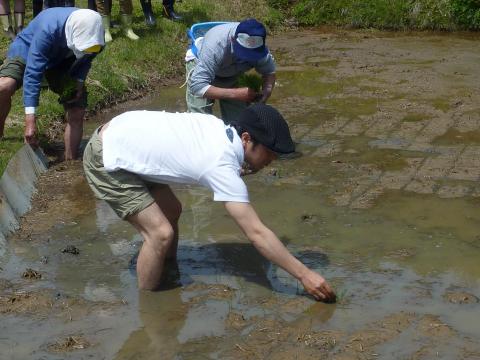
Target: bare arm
[
  {"x": 268, "y": 244},
  {"x": 242, "y": 94}
]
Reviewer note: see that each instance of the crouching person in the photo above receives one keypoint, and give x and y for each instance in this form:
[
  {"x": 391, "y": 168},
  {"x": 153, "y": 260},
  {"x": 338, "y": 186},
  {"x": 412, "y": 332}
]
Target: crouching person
[
  {"x": 60, "y": 44},
  {"x": 130, "y": 161}
]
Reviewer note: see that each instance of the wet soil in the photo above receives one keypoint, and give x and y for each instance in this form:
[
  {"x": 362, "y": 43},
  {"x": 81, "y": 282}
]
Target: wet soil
[
  {"x": 383, "y": 202},
  {"x": 414, "y": 102},
  {"x": 70, "y": 343}
]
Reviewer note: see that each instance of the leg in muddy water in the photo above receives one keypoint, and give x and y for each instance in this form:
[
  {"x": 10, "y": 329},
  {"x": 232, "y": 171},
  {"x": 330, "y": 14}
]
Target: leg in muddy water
[
  {"x": 158, "y": 236},
  {"x": 162, "y": 321},
  {"x": 172, "y": 208},
  {"x": 73, "y": 132},
  {"x": 7, "y": 89}
]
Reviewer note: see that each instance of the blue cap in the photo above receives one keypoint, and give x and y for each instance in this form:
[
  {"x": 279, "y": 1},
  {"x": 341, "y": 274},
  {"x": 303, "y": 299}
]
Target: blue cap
[{"x": 249, "y": 42}]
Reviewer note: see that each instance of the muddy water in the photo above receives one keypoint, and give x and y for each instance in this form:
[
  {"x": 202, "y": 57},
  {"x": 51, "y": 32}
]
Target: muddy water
[{"x": 383, "y": 202}]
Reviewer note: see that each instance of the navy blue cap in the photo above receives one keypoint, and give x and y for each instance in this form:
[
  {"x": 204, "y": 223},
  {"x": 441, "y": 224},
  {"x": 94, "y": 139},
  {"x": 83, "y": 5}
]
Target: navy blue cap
[
  {"x": 266, "y": 126},
  {"x": 249, "y": 42}
]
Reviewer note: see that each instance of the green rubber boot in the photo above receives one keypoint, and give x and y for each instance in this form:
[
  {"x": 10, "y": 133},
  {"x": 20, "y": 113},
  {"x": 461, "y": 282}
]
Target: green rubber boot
[
  {"x": 127, "y": 27},
  {"x": 106, "y": 27}
]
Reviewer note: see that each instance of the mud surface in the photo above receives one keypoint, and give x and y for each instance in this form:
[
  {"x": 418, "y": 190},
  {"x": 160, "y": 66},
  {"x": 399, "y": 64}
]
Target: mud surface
[{"x": 383, "y": 202}]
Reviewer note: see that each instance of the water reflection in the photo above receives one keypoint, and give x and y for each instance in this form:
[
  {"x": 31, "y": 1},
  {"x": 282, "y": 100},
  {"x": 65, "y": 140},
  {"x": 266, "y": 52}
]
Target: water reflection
[{"x": 162, "y": 315}]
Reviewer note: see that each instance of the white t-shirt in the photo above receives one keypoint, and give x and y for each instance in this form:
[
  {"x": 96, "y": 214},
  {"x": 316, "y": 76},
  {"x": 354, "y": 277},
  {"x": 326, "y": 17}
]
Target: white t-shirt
[{"x": 186, "y": 148}]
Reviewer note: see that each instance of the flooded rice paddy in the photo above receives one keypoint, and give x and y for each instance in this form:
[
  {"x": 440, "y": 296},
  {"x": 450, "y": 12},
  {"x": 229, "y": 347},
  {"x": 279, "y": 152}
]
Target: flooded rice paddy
[{"x": 384, "y": 203}]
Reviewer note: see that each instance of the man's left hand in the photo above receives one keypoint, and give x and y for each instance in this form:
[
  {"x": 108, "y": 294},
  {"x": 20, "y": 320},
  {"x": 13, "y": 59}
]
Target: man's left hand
[{"x": 267, "y": 87}]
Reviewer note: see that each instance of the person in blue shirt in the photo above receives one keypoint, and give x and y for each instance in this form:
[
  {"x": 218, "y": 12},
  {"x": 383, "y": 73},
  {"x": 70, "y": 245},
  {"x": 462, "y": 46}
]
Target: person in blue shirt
[{"x": 60, "y": 44}]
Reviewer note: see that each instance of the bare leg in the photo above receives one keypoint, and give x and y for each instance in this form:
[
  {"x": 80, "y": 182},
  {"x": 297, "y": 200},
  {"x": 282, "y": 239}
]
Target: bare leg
[
  {"x": 73, "y": 132},
  {"x": 158, "y": 237},
  {"x": 19, "y": 15},
  {"x": 4, "y": 7},
  {"x": 172, "y": 208},
  {"x": 7, "y": 89}
]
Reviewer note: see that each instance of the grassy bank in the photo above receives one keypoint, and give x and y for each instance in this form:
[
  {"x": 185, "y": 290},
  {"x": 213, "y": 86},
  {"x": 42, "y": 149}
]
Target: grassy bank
[
  {"x": 127, "y": 68},
  {"x": 384, "y": 14}
]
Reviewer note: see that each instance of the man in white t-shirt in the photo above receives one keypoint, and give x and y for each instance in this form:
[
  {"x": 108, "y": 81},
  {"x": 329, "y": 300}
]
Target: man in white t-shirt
[{"x": 130, "y": 161}]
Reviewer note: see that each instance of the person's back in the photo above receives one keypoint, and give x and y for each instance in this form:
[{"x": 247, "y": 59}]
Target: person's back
[
  {"x": 217, "y": 51},
  {"x": 199, "y": 149},
  {"x": 49, "y": 24}
]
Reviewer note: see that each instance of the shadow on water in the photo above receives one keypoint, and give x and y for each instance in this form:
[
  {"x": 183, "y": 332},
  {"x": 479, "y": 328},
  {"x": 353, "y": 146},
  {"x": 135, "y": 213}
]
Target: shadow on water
[{"x": 231, "y": 259}]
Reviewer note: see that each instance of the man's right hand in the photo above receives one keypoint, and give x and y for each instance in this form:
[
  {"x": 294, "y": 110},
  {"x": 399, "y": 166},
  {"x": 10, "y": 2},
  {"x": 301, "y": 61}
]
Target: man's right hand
[
  {"x": 318, "y": 287},
  {"x": 268, "y": 244},
  {"x": 246, "y": 94},
  {"x": 30, "y": 130}
]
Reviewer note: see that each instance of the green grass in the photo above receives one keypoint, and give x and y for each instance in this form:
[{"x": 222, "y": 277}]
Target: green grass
[{"x": 384, "y": 14}]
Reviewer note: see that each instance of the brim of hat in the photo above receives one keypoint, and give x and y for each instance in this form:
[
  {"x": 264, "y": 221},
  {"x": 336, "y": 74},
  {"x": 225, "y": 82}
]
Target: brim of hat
[
  {"x": 281, "y": 150},
  {"x": 290, "y": 155},
  {"x": 249, "y": 54}
]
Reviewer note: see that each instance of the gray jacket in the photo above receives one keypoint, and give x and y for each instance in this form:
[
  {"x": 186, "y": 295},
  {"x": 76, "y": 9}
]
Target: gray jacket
[{"x": 216, "y": 60}]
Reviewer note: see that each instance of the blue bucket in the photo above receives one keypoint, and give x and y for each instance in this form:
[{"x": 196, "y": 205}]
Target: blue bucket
[{"x": 199, "y": 30}]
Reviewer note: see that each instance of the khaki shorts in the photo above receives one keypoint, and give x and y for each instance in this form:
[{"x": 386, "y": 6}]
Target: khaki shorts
[
  {"x": 125, "y": 192},
  {"x": 58, "y": 80}
]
